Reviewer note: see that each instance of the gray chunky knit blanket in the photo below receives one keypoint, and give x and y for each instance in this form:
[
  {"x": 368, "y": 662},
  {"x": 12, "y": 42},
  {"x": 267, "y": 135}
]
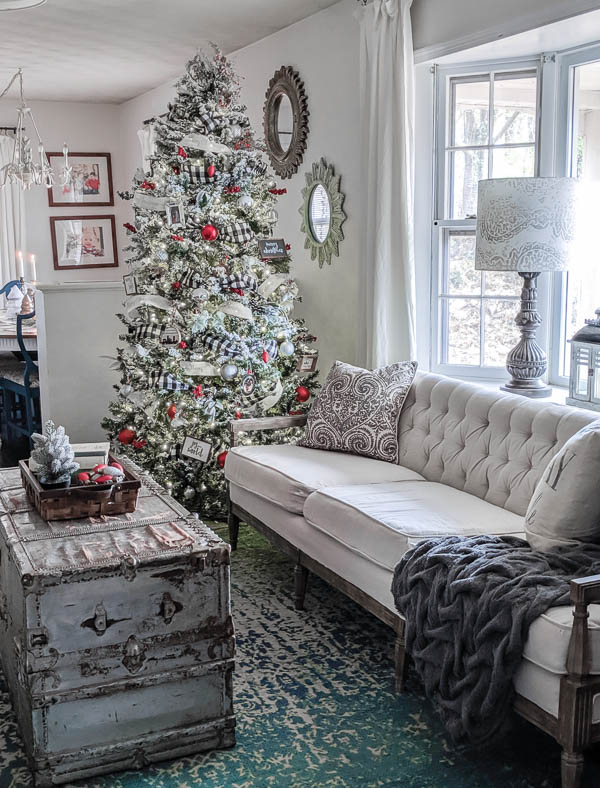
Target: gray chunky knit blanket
[{"x": 468, "y": 604}]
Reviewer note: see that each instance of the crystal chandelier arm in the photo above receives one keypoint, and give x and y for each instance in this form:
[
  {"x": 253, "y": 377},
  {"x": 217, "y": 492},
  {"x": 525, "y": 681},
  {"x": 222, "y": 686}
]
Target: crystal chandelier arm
[{"x": 18, "y": 74}]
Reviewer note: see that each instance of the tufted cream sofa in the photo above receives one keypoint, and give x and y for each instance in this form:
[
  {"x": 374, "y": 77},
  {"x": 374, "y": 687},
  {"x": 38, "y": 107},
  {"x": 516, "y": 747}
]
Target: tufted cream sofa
[{"x": 469, "y": 462}]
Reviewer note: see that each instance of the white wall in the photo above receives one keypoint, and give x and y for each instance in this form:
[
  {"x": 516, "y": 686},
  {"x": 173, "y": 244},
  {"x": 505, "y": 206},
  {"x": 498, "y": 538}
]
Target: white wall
[
  {"x": 324, "y": 49},
  {"x": 85, "y": 128},
  {"x": 444, "y": 26}
]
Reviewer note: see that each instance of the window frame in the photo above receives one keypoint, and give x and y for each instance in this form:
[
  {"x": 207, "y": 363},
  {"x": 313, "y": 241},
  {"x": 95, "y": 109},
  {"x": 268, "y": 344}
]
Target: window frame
[
  {"x": 564, "y": 122},
  {"x": 445, "y": 78}
]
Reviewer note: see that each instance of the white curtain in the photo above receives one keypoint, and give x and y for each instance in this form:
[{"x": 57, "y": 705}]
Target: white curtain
[
  {"x": 12, "y": 217},
  {"x": 387, "y": 139}
]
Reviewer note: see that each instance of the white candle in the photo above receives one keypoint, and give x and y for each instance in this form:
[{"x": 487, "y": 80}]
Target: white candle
[
  {"x": 20, "y": 273},
  {"x": 33, "y": 272}
]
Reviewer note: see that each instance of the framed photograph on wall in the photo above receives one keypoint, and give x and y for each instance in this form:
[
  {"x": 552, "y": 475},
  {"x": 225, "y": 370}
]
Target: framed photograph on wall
[
  {"x": 91, "y": 182},
  {"x": 84, "y": 242}
]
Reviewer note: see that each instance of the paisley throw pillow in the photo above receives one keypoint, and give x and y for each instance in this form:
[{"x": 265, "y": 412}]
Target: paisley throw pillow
[{"x": 357, "y": 411}]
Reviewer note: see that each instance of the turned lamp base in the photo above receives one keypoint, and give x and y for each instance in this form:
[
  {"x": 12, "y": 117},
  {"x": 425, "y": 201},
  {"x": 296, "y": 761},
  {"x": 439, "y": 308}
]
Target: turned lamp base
[{"x": 526, "y": 362}]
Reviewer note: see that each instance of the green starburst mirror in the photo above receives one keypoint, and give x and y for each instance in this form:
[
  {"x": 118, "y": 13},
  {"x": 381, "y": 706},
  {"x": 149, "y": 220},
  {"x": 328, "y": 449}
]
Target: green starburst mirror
[{"x": 322, "y": 213}]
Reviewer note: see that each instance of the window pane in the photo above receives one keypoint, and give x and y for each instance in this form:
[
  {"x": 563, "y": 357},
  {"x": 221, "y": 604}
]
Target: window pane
[
  {"x": 513, "y": 162},
  {"x": 506, "y": 283},
  {"x": 463, "y": 331},
  {"x": 515, "y": 104},
  {"x": 471, "y": 113},
  {"x": 583, "y": 284},
  {"x": 501, "y": 333},
  {"x": 463, "y": 279},
  {"x": 468, "y": 167}
]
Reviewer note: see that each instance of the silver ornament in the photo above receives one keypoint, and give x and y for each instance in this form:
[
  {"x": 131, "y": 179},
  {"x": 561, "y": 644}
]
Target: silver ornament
[
  {"x": 229, "y": 371},
  {"x": 271, "y": 185},
  {"x": 286, "y": 348},
  {"x": 245, "y": 201},
  {"x": 200, "y": 294},
  {"x": 189, "y": 492},
  {"x": 236, "y": 130}
]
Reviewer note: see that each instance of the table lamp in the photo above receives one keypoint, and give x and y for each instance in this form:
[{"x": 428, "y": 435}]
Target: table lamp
[{"x": 527, "y": 225}]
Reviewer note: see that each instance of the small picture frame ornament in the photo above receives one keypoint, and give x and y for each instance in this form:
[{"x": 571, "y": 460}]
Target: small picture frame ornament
[
  {"x": 195, "y": 449},
  {"x": 176, "y": 214},
  {"x": 170, "y": 336},
  {"x": 248, "y": 383},
  {"x": 308, "y": 362},
  {"x": 130, "y": 284}
]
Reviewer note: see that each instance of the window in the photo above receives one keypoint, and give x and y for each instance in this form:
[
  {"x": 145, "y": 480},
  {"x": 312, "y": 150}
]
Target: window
[{"x": 487, "y": 128}]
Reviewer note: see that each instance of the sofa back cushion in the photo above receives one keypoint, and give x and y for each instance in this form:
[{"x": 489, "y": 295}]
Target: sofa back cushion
[{"x": 487, "y": 443}]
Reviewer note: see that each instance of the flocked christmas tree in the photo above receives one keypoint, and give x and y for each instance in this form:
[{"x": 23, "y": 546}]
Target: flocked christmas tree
[{"x": 209, "y": 333}]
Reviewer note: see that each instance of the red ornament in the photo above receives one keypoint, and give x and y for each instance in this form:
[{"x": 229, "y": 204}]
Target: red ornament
[
  {"x": 265, "y": 357},
  {"x": 221, "y": 459},
  {"x": 126, "y": 436},
  {"x": 148, "y": 185},
  {"x": 182, "y": 344},
  {"x": 181, "y": 152},
  {"x": 237, "y": 291},
  {"x": 83, "y": 477},
  {"x": 198, "y": 392},
  {"x": 176, "y": 285},
  {"x": 172, "y": 411},
  {"x": 130, "y": 227},
  {"x": 302, "y": 394},
  {"x": 117, "y": 465},
  {"x": 176, "y": 170},
  {"x": 178, "y": 237},
  {"x": 209, "y": 232},
  {"x": 103, "y": 479},
  {"x": 287, "y": 247},
  {"x": 210, "y": 170},
  {"x": 238, "y": 414},
  {"x": 139, "y": 444}
]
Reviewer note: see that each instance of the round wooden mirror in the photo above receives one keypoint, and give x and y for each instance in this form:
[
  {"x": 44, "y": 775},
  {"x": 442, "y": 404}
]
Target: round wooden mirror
[
  {"x": 322, "y": 213},
  {"x": 285, "y": 121}
]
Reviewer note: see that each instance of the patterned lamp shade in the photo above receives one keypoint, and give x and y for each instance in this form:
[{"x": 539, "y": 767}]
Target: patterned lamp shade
[{"x": 527, "y": 224}]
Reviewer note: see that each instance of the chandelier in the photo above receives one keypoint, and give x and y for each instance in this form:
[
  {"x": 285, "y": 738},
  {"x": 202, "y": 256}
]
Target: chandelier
[{"x": 24, "y": 169}]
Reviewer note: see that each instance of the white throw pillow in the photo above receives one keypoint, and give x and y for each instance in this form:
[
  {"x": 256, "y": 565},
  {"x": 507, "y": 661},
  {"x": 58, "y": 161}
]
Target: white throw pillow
[
  {"x": 565, "y": 507},
  {"x": 357, "y": 411}
]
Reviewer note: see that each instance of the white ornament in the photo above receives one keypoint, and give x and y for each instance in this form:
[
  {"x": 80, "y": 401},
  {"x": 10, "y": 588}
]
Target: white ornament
[
  {"x": 125, "y": 390},
  {"x": 236, "y": 131},
  {"x": 141, "y": 351},
  {"x": 271, "y": 283},
  {"x": 286, "y": 348},
  {"x": 189, "y": 492},
  {"x": 229, "y": 371},
  {"x": 200, "y": 294},
  {"x": 245, "y": 201},
  {"x": 273, "y": 216}
]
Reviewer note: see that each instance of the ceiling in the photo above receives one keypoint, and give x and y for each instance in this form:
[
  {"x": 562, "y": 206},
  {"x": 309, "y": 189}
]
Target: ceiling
[{"x": 113, "y": 50}]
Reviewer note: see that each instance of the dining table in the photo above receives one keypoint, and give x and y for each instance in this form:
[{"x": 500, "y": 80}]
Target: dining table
[{"x": 8, "y": 333}]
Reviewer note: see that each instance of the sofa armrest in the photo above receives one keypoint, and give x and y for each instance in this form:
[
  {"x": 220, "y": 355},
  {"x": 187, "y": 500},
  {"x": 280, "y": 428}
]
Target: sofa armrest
[
  {"x": 267, "y": 423},
  {"x": 584, "y": 591}
]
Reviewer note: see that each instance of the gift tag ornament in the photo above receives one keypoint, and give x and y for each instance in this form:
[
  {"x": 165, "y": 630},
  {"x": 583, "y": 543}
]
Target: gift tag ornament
[{"x": 170, "y": 335}]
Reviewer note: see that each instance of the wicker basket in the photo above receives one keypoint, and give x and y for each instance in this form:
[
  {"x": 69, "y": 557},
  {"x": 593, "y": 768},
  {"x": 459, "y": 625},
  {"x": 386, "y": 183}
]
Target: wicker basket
[{"x": 69, "y": 503}]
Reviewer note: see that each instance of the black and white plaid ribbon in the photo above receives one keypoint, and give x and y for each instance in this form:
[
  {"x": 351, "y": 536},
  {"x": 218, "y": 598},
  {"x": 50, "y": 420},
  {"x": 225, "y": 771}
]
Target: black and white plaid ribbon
[
  {"x": 270, "y": 345},
  {"x": 190, "y": 278},
  {"x": 259, "y": 168},
  {"x": 208, "y": 122},
  {"x": 166, "y": 381},
  {"x": 146, "y": 331},
  {"x": 238, "y": 281},
  {"x": 237, "y": 232},
  {"x": 221, "y": 345},
  {"x": 197, "y": 172}
]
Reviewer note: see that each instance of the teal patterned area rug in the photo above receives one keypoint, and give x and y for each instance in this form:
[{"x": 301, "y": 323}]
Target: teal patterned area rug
[{"x": 315, "y": 706}]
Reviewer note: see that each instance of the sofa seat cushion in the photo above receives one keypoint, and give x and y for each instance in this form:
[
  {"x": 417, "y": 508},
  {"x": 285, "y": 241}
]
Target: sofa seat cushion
[
  {"x": 548, "y": 639},
  {"x": 382, "y": 521},
  {"x": 288, "y": 474}
]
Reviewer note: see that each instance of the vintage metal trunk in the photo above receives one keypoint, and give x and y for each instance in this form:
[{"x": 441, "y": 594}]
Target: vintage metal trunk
[{"x": 116, "y": 637}]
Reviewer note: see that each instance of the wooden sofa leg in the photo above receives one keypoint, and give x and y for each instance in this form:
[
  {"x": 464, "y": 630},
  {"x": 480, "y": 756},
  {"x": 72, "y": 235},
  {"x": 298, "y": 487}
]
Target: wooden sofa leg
[
  {"x": 572, "y": 769},
  {"x": 300, "y": 582},
  {"x": 233, "y": 523},
  {"x": 400, "y": 660}
]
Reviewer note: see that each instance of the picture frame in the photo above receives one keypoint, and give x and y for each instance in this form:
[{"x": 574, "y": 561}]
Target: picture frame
[
  {"x": 308, "y": 362},
  {"x": 272, "y": 249},
  {"x": 176, "y": 214},
  {"x": 130, "y": 284},
  {"x": 91, "y": 182},
  {"x": 84, "y": 242}
]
